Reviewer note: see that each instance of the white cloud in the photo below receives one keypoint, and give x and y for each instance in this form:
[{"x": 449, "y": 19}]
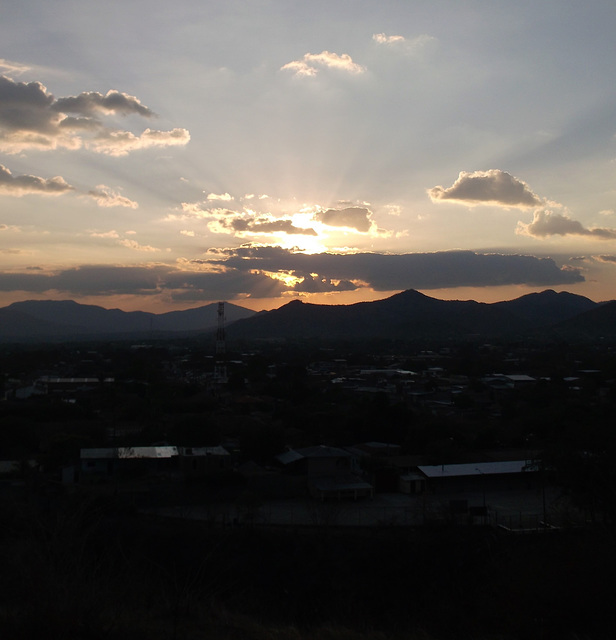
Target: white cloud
[
  {"x": 186, "y": 232},
  {"x": 381, "y": 38},
  {"x": 312, "y": 63},
  {"x": 492, "y": 187},
  {"x": 225, "y": 197}
]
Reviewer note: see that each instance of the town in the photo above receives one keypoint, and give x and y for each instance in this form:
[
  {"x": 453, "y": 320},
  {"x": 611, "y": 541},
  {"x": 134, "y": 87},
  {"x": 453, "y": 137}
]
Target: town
[{"x": 277, "y": 439}]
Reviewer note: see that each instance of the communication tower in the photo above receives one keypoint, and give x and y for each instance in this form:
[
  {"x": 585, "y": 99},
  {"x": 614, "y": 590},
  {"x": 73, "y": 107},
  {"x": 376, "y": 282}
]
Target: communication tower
[{"x": 220, "y": 369}]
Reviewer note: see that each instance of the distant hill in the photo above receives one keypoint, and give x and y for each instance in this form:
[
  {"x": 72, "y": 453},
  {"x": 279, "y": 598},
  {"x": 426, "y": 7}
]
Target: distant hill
[
  {"x": 405, "y": 315},
  {"x": 547, "y": 307},
  {"x": 59, "y": 320},
  {"x": 410, "y": 315},
  {"x": 598, "y": 322}
]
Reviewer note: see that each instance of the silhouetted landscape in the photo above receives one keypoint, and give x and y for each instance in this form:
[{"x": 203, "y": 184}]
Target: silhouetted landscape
[
  {"x": 408, "y": 468},
  {"x": 408, "y": 315}
]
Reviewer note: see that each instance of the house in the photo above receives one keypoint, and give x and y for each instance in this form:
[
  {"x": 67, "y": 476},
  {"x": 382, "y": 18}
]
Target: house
[
  {"x": 202, "y": 462},
  {"x": 478, "y": 476},
  {"x": 102, "y": 463},
  {"x": 328, "y": 472}
]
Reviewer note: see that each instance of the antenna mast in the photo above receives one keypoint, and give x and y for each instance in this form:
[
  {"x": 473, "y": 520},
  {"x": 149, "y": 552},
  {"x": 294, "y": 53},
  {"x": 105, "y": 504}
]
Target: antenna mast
[{"x": 220, "y": 370}]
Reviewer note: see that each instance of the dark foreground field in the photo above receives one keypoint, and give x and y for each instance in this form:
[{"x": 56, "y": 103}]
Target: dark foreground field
[{"x": 84, "y": 570}]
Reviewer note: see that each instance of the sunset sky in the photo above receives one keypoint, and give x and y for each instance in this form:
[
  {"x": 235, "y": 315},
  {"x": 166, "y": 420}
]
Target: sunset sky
[{"x": 164, "y": 155}]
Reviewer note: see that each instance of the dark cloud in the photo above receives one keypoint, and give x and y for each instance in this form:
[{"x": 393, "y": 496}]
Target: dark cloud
[
  {"x": 92, "y": 102},
  {"x": 388, "y": 272},
  {"x": 315, "y": 284},
  {"x": 26, "y": 107},
  {"x": 265, "y": 226},
  {"x": 21, "y": 185},
  {"x": 494, "y": 187},
  {"x": 247, "y": 272},
  {"x": 608, "y": 259},
  {"x": 224, "y": 285},
  {"x": 357, "y": 218},
  {"x": 32, "y": 118},
  {"x": 548, "y": 223},
  {"x": 94, "y": 280}
]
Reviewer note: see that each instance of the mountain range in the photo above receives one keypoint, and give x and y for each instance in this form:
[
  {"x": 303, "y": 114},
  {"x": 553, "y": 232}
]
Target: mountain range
[
  {"x": 410, "y": 315},
  {"x": 405, "y": 316},
  {"x": 63, "y": 320}
]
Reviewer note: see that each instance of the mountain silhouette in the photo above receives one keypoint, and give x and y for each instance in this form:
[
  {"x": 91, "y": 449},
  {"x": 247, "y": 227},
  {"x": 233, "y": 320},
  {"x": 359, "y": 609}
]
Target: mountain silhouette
[
  {"x": 408, "y": 315},
  {"x": 68, "y": 320}
]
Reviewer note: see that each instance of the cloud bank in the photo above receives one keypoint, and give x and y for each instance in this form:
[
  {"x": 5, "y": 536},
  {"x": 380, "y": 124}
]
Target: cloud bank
[
  {"x": 250, "y": 272},
  {"x": 389, "y": 272}
]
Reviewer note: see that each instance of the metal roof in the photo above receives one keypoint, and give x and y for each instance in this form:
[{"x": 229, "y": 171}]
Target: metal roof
[
  {"x": 129, "y": 452},
  {"x": 476, "y": 469}
]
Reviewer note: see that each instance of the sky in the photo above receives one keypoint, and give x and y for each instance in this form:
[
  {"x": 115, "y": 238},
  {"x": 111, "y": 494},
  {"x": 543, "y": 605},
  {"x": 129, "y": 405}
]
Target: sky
[{"x": 166, "y": 155}]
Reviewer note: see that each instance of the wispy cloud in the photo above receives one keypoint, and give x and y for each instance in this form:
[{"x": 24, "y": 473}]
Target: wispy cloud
[
  {"x": 135, "y": 246},
  {"x": 408, "y": 46},
  {"x": 120, "y": 143},
  {"x": 15, "y": 68},
  {"x": 107, "y": 197},
  {"x": 224, "y": 197},
  {"x": 105, "y": 234}
]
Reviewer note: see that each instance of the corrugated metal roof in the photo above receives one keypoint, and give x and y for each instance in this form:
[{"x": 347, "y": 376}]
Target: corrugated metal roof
[
  {"x": 129, "y": 452},
  {"x": 475, "y": 469}
]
